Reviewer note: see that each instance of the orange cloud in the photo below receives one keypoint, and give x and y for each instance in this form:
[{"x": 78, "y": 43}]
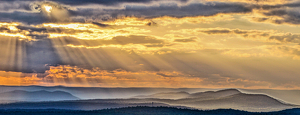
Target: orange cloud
[
  {"x": 68, "y": 75},
  {"x": 18, "y": 79},
  {"x": 95, "y": 77}
]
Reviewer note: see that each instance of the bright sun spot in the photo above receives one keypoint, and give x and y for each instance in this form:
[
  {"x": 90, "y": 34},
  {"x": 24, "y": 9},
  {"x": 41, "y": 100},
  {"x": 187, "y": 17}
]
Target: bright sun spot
[{"x": 48, "y": 8}]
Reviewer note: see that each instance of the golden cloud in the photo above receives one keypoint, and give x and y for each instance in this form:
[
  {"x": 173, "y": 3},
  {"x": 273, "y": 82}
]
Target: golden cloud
[
  {"x": 167, "y": 20},
  {"x": 89, "y": 31},
  {"x": 96, "y": 77},
  {"x": 11, "y": 30},
  {"x": 18, "y": 78}
]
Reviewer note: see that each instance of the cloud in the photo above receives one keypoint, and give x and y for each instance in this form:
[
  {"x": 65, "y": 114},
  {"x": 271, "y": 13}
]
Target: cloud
[
  {"x": 261, "y": 2},
  {"x": 165, "y": 20},
  {"x": 76, "y": 76},
  {"x": 172, "y": 10},
  {"x": 118, "y": 40},
  {"x": 22, "y": 31},
  {"x": 192, "y": 39},
  {"x": 266, "y": 35},
  {"x": 96, "y": 77},
  {"x": 291, "y": 38},
  {"x": 115, "y": 78},
  {"x": 286, "y": 13},
  {"x": 11, "y": 6},
  {"x": 283, "y": 16},
  {"x": 52, "y": 10},
  {"x": 135, "y": 40},
  {"x": 12, "y": 30},
  {"x": 87, "y": 31},
  {"x": 82, "y": 11},
  {"x": 291, "y": 51},
  {"x": 108, "y": 2},
  {"x": 24, "y": 17},
  {"x": 64, "y": 11},
  {"x": 248, "y": 34},
  {"x": 17, "y": 81}
]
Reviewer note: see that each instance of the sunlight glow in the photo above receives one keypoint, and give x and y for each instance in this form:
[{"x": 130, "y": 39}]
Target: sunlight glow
[
  {"x": 48, "y": 8},
  {"x": 90, "y": 31},
  {"x": 11, "y": 30}
]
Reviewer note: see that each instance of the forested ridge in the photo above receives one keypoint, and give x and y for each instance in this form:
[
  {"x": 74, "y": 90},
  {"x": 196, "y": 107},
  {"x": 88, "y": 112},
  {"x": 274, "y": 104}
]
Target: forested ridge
[{"x": 143, "y": 110}]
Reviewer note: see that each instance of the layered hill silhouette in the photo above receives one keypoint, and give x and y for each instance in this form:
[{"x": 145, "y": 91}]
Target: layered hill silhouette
[
  {"x": 228, "y": 98},
  {"x": 223, "y": 99},
  {"x": 200, "y": 95},
  {"x": 21, "y": 95},
  {"x": 168, "y": 95},
  {"x": 289, "y": 96}
]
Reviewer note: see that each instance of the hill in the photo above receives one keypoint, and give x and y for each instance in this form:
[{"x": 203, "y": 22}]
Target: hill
[
  {"x": 225, "y": 99},
  {"x": 167, "y": 95},
  {"x": 20, "y": 95}
]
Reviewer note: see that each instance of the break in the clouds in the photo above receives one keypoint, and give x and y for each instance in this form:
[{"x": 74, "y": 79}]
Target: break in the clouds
[{"x": 150, "y": 43}]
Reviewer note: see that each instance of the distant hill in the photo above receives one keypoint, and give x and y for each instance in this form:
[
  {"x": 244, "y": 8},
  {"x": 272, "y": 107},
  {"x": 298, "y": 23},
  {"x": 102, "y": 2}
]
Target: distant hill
[
  {"x": 20, "y": 95},
  {"x": 225, "y": 99},
  {"x": 289, "y": 96},
  {"x": 240, "y": 101},
  {"x": 167, "y": 95},
  {"x": 100, "y": 92},
  {"x": 215, "y": 94},
  {"x": 200, "y": 95}
]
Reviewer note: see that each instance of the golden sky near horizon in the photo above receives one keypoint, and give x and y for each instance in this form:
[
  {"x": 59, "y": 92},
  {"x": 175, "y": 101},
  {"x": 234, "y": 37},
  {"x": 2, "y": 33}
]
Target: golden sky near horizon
[{"x": 150, "y": 43}]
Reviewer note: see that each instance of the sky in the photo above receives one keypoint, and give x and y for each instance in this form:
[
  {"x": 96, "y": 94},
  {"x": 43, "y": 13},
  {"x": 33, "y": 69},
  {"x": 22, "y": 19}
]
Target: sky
[{"x": 251, "y": 44}]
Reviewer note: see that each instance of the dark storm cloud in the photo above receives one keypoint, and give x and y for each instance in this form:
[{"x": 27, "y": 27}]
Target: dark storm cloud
[
  {"x": 174, "y": 10},
  {"x": 206, "y": 9},
  {"x": 9, "y": 5},
  {"x": 103, "y": 2},
  {"x": 24, "y": 17},
  {"x": 290, "y": 16},
  {"x": 20, "y": 10},
  {"x": 22, "y": 13},
  {"x": 106, "y": 2},
  {"x": 270, "y": 7},
  {"x": 287, "y": 13}
]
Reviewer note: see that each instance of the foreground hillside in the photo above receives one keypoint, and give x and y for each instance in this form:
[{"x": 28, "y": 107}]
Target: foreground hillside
[{"x": 146, "y": 111}]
